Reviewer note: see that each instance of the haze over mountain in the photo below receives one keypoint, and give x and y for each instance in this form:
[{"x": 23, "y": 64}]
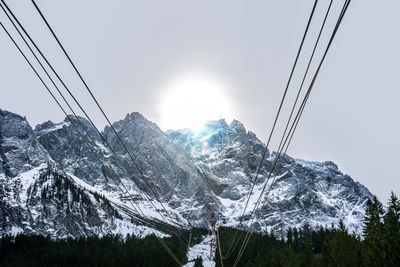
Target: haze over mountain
[{"x": 55, "y": 182}]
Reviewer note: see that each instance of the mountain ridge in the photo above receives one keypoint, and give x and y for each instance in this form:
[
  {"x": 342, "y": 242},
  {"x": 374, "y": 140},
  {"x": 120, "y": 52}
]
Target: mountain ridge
[{"x": 191, "y": 172}]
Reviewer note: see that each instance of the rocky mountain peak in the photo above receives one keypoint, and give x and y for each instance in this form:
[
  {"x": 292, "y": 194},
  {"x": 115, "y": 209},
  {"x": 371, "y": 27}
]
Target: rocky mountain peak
[
  {"x": 19, "y": 148},
  {"x": 237, "y": 126},
  {"x": 133, "y": 123},
  {"x": 13, "y": 125},
  {"x": 190, "y": 171}
]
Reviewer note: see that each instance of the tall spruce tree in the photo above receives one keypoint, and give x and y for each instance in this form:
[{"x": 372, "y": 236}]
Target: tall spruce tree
[
  {"x": 391, "y": 231},
  {"x": 289, "y": 237},
  {"x": 341, "y": 249},
  {"x": 198, "y": 262},
  {"x": 307, "y": 245},
  {"x": 373, "y": 249}
]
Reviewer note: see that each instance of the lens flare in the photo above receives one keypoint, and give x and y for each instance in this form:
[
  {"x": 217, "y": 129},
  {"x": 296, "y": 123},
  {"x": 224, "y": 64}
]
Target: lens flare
[{"x": 190, "y": 103}]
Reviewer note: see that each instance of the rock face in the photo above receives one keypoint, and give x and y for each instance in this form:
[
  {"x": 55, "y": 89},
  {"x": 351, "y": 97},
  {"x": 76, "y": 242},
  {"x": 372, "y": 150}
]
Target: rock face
[
  {"x": 58, "y": 182},
  {"x": 317, "y": 193},
  {"x": 37, "y": 196},
  {"x": 165, "y": 166},
  {"x": 19, "y": 149}
]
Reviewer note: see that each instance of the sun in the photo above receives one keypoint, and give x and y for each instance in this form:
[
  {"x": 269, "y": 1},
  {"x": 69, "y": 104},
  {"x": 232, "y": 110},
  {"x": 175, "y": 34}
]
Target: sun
[{"x": 189, "y": 103}]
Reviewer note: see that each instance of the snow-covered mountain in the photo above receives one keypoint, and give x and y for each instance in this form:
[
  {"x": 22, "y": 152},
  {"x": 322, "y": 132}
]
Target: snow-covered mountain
[
  {"x": 54, "y": 181},
  {"x": 314, "y": 192},
  {"x": 37, "y": 196}
]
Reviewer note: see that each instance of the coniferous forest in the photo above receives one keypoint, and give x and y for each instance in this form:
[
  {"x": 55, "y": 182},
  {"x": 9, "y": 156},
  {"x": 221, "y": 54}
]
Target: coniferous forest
[{"x": 334, "y": 246}]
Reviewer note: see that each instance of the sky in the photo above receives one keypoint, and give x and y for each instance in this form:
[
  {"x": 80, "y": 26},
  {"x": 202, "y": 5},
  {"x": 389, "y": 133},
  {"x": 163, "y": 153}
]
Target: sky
[{"x": 134, "y": 53}]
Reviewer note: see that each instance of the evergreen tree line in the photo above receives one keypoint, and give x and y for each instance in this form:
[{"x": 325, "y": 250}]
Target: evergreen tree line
[
  {"x": 334, "y": 246},
  {"x": 37, "y": 250}
]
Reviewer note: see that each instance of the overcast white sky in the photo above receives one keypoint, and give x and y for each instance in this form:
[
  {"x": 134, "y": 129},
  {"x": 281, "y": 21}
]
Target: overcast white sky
[{"x": 129, "y": 51}]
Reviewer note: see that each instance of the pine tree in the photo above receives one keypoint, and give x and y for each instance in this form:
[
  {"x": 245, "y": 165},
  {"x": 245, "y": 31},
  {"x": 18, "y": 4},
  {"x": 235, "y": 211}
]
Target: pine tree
[
  {"x": 289, "y": 237},
  {"x": 391, "y": 231},
  {"x": 373, "y": 251},
  {"x": 289, "y": 258},
  {"x": 306, "y": 245},
  {"x": 296, "y": 241},
  {"x": 341, "y": 249},
  {"x": 258, "y": 261},
  {"x": 198, "y": 262}
]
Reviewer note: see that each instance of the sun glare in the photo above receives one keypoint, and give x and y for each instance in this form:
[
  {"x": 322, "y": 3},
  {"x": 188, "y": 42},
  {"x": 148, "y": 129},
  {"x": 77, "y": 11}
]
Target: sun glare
[{"x": 190, "y": 103}]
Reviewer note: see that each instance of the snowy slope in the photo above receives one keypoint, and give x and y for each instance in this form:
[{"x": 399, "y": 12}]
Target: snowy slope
[
  {"x": 36, "y": 196},
  {"x": 317, "y": 193},
  {"x": 190, "y": 172},
  {"x": 200, "y": 250}
]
